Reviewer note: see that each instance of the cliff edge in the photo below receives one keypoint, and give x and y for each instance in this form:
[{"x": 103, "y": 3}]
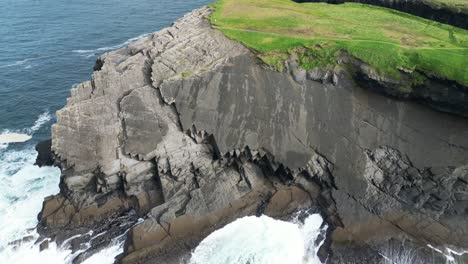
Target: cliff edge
[{"x": 186, "y": 130}]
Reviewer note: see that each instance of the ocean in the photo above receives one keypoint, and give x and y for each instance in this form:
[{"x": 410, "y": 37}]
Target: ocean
[{"x": 47, "y": 46}]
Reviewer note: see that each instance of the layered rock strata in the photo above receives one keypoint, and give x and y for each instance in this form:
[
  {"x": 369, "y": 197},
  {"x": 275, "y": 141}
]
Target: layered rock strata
[{"x": 380, "y": 171}]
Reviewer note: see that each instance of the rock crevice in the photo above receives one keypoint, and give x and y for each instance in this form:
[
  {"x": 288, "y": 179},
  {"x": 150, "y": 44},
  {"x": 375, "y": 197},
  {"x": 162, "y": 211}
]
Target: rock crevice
[{"x": 188, "y": 131}]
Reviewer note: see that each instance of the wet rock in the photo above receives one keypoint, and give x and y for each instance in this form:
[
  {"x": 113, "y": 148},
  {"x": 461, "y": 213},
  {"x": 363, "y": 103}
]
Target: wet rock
[
  {"x": 140, "y": 140},
  {"x": 44, "y": 153},
  {"x": 202, "y": 197},
  {"x": 44, "y": 245},
  {"x": 18, "y": 242}
]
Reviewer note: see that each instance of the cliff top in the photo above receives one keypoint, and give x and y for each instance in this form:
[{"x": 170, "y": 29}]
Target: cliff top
[
  {"x": 388, "y": 40},
  {"x": 461, "y": 5}
]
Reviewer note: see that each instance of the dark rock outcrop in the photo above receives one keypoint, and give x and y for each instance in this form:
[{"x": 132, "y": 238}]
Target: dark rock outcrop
[
  {"x": 446, "y": 14},
  {"x": 207, "y": 194},
  {"x": 441, "y": 94},
  {"x": 382, "y": 173},
  {"x": 44, "y": 153}
]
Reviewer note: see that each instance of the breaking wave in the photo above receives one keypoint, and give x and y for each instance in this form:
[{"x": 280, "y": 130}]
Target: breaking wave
[
  {"x": 94, "y": 52},
  {"x": 7, "y": 136},
  {"x": 22, "y": 190},
  {"x": 28, "y": 252},
  {"x": 258, "y": 240},
  {"x": 41, "y": 120}
]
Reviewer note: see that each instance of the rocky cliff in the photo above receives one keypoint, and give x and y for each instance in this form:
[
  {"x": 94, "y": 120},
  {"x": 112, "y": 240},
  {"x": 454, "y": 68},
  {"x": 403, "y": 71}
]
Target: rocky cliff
[{"x": 188, "y": 131}]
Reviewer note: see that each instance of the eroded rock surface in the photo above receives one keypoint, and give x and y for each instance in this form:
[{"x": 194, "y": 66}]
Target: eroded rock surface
[
  {"x": 205, "y": 192},
  {"x": 187, "y": 130}
]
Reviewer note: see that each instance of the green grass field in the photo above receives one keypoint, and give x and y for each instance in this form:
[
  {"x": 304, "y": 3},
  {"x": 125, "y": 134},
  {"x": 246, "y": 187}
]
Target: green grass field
[
  {"x": 386, "y": 39},
  {"x": 457, "y": 5}
]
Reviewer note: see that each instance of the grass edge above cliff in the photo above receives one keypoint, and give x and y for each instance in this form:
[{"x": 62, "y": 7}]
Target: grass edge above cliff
[{"x": 397, "y": 41}]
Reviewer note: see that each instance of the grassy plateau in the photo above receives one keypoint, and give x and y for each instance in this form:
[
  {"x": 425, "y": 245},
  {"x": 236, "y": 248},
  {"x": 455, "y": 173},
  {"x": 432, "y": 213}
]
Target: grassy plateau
[
  {"x": 456, "y": 5},
  {"x": 388, "y": 40}
]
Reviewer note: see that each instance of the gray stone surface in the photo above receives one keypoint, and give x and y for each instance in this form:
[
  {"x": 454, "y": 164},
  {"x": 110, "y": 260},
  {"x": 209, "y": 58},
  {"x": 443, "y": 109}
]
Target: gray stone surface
[{"x": 162, "y": 129}]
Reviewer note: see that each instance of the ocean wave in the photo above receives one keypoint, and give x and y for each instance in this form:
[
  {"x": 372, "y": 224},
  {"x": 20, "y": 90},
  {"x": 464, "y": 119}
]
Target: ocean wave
[
  {"x": 23, "y": 188},
  {"x": 92, "y": 52},
  {"x": 107, "y": 255},
  {"x": 19, "y": 136},
  {"x": 263, "y": 239},
  {"x": 25, "y": 62},
  {"x": 28, "y": 251},
  {"x": 41, "y": 120}
]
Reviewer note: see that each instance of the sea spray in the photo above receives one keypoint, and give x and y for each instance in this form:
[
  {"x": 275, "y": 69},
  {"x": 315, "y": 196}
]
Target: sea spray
[
  {"x": 23, "y": 188},
  {"x": 42, "y": 119},
  {"x": 258, "y": 240},
  {"x": 69, "y": 26},
  {"x": 7, "y": 136}
]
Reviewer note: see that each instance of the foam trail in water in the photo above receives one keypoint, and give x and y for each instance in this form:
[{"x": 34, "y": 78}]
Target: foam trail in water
[
  {"x": 42, "y": 119},
  {"x": 28, "y": 253},
  {"x": 106, "y": 255},
  {"x": 93, "y": 52},
  {"x": 258, "y": 240},
  {"x": 22, "y": 190},
  {"x": 6, "y": 138},
  {"x": 23, "y": 62}
]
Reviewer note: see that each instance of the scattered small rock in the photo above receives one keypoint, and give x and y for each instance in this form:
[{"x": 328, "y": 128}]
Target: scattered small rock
[
  {"x": 299, "y": 75},
  {"x": 44, "y": 245},
  {"x": 315, "y": 74}
]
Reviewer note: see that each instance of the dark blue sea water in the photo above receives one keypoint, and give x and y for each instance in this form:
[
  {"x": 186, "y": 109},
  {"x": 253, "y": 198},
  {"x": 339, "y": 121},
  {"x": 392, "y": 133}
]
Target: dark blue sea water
[{"x": 46, "y": 46}]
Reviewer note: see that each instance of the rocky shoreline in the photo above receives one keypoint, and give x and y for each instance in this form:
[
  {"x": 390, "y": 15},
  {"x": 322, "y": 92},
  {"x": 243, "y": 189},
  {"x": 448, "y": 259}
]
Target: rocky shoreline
[{"x": 185, "y": 131}]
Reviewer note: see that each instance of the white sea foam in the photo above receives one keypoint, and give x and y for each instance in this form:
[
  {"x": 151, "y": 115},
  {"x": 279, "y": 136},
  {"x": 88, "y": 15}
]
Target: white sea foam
[
  {"x": 25, "y": 62},
  {"x": 6, "y": 138},
  {"x": 23, "y": 188},
  {"x": 24, "y": 135},
  {"x": 449, "y": 253},
  {"x": 21, "y": 192},
  {"x": 29, "y": 253},
  {"x": 42, "y": 119},
  {"x": 106, "y": 255},
  {"x": 92, "y": 52},
  {"x": 259, "y": 240}
]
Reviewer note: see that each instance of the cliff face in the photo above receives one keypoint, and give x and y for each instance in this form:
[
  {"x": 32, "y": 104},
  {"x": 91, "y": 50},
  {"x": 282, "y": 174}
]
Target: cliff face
[{"x": 187, "y": 129}]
